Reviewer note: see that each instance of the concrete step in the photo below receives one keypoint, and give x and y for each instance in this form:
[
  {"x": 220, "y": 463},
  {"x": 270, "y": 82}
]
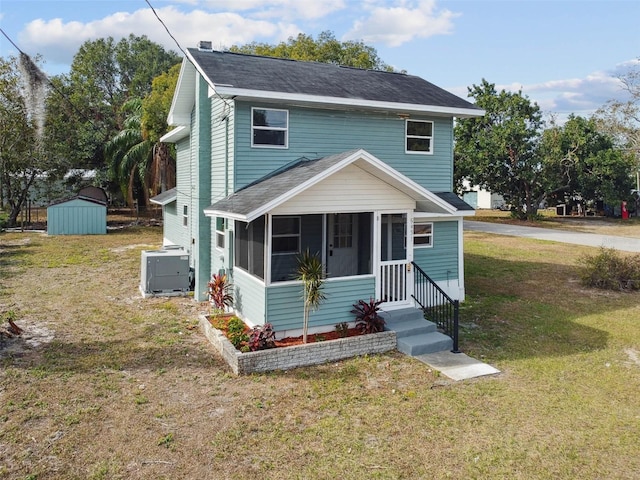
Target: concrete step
[
  {"x": 408, "y": 328},
  {"x": 424, "y": 343},
  {"x": 402, "y": 315}
]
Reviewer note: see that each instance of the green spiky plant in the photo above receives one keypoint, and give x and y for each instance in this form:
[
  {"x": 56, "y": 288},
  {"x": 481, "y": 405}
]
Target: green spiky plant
[{"x": 311, "y": 274}]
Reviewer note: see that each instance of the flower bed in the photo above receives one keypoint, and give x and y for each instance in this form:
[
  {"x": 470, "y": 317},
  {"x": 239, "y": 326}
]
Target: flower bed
[{"x": 298, "y": 355}]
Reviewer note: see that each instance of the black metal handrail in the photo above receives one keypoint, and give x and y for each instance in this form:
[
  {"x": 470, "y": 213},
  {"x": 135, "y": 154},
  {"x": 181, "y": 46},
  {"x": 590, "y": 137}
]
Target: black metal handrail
[{"x": 437, "y": 306}]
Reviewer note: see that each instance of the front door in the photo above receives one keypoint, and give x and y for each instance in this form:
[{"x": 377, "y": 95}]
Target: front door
[
  {"x": 395, "y": 285},
  {"x": 342, "y": 238}
]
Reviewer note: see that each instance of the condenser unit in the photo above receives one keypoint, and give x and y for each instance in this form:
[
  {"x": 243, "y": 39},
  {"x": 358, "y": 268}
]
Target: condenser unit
[{"x": 164, "y": 272}]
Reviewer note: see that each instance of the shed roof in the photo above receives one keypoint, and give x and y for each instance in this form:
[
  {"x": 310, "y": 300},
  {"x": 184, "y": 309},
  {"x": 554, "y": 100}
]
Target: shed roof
[{"x": 78, "y": 197}]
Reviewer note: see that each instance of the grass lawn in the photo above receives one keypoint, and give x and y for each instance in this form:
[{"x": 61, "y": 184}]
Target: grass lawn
[{"x": 108, "y": 385}]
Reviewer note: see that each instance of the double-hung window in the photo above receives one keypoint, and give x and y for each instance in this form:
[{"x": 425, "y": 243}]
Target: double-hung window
[
  {"x": 185, "y": 216},
  {"x": 269, "y": 128},
  {"x": 419, "y": 136},
  {"x": 422, "y": 234}
]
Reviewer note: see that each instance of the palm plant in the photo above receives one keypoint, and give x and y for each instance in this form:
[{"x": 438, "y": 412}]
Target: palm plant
[
  {"x": 129, "y": 153},
  {"x": 311, "y": 273},
  {"x": 135, "y": 157}
]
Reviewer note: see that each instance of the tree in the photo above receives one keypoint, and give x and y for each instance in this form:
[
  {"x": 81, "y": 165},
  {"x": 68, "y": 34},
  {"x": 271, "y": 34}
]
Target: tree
[
  {"x": 141, "y": 164},
  {"x": 104, "y": 75},
  {"x": 129, "y": 154},
  {"x": 500, "y": 151},
  {"x": 311, "y": 274},
  {"x": 325, "y": 49},
  {"x": 621, "y": 118},
  {"x": 22, "y": 152},
  {"x": 582, "y": 163}
]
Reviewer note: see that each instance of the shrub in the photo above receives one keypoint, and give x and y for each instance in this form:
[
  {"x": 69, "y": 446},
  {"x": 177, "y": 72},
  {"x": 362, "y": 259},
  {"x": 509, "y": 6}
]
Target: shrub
[
  {"x": 220, "y": 292},
  {"x": 236, "y": 332},
  {"x": 342, "y": 329},
  {"x": 609, "y": 270},
  {"x": 368, "y": 320},
  {"x": 262, "y": 338}
]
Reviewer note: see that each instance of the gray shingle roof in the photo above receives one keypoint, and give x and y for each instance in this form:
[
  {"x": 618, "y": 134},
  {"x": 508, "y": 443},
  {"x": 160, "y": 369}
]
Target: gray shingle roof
[
  {"x": 267, "y": 192},
  {"x": 276, "y": 184},
  {"x": 165, "y": 197},
  {"x": 250, "y": 72},
  {"x": 452, "y": 199}
]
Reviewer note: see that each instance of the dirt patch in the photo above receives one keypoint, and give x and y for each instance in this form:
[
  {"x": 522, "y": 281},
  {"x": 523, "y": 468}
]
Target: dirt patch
[{"x": 33, "y": 336}]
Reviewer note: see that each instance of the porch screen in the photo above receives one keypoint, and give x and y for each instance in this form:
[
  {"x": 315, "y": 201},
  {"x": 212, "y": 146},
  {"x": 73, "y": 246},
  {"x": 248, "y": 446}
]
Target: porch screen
[
  {"x": 343, "y": 242},
  {"x": 249, "y": 246}
]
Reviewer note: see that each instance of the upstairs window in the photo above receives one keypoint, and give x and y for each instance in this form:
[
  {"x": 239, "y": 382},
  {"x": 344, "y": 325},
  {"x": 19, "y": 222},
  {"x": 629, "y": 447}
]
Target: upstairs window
[
  {"x": 185, "y": 216},
  {"x": 422, "y": 234},
  {"x": 269, "y": 128},
  {"x": 419, "y": 136}
]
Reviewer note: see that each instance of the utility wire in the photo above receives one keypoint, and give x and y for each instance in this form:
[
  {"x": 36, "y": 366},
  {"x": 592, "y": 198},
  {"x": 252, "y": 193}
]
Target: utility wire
[
  {"x": 183, "y": 50},
  {"x": 51, "y": 84}
]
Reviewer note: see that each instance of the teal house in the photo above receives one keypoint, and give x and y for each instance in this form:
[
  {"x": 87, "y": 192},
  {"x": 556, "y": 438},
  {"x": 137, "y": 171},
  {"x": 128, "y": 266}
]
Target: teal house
[{"x": 276, "y": 156}]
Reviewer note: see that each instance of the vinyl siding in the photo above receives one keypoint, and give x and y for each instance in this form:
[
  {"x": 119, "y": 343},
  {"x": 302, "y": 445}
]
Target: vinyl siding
[
  {"x": 315, "y": 133},
  {"x": 285, "y": 306},
  {"x": 174, "y": 231},
  {"x": 441, "y": 261},
  {"x": 350, "y": 189},
  {"x": 249, "y": 297}
]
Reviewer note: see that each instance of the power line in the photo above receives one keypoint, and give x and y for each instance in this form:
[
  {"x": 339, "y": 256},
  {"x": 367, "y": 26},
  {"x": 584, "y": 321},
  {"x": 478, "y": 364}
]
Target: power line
[
  {"x": 51, "y": 84},
  {"x": 182, "y": 49}
]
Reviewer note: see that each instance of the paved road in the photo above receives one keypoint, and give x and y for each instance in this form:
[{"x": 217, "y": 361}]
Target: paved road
[{"x": 627, "y": 244}]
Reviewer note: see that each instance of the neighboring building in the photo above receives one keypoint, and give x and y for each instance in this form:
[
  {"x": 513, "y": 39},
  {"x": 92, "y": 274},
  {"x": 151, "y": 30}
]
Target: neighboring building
[
  {"x": 276, "y": 156},
  {"x": 479, "y": 198},
  {"x": 79, "y": 215}
]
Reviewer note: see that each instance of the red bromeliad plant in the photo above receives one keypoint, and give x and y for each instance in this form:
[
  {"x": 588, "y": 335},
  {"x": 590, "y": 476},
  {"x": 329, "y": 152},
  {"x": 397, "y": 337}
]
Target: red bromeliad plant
[
  {"x": 368, "y": 320},
  {"x": 220, "y": 292}
]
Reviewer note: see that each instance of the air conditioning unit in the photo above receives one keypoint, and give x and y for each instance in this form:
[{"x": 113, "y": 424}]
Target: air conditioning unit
[{"x": 164, "y": 272}]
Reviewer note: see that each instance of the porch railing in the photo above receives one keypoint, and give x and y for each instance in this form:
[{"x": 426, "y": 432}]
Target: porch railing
[{"x": 437, "y": 306}]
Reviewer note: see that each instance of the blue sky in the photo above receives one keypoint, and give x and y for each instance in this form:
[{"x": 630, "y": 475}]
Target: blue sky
[{"x": 563, "y": 54}]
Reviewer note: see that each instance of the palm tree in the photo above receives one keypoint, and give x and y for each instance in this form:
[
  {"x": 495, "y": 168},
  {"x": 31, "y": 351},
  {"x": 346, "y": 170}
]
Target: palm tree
[
  {"x": 130, "y": 154},
  {"x": 311, "y": 273}
]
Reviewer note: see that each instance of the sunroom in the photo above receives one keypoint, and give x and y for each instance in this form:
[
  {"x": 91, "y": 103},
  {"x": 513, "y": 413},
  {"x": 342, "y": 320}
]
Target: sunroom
[{"x": 351, "y": 209}]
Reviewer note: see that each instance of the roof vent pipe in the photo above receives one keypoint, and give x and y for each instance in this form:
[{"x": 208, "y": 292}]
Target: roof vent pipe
[{"x": 204, "y": 46}]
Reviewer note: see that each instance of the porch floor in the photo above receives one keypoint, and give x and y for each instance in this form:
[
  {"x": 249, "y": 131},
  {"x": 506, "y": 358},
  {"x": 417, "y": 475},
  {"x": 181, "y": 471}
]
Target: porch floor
[{"x": 420, "y": 338}]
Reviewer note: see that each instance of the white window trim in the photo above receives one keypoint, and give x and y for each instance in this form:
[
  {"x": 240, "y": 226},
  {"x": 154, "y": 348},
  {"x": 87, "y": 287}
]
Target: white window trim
[
  {"x": 407, "y": 136},
  {"x": 430, "y": 236},
  {"x": 185, "y": 216},
  {"x": 299, "y": 235},
  {"x": 280, "y": 129}
]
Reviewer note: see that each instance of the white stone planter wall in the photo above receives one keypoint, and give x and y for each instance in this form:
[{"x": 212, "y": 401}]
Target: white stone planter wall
[{"x": 299, "y": 355}]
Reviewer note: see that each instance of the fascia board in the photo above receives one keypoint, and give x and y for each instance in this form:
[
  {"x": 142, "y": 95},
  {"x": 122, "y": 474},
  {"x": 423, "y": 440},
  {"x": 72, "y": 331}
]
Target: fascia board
[
  {"x": 184, "y": 87},
  {"x": 176, "y": 134},
  {"x": 244, "y": 94},
  {"x": 221, "y": 213}
]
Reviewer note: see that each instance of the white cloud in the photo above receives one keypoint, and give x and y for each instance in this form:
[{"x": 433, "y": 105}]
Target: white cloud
[
  {"x": 283, "y": 9},
  {"x": 58, "y": 41},
  {"x": 402, "y": 23}
]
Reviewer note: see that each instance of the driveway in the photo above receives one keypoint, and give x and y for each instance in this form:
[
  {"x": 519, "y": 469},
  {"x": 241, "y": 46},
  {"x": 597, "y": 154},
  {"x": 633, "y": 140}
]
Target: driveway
[{"x": 627, "y": 244}]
